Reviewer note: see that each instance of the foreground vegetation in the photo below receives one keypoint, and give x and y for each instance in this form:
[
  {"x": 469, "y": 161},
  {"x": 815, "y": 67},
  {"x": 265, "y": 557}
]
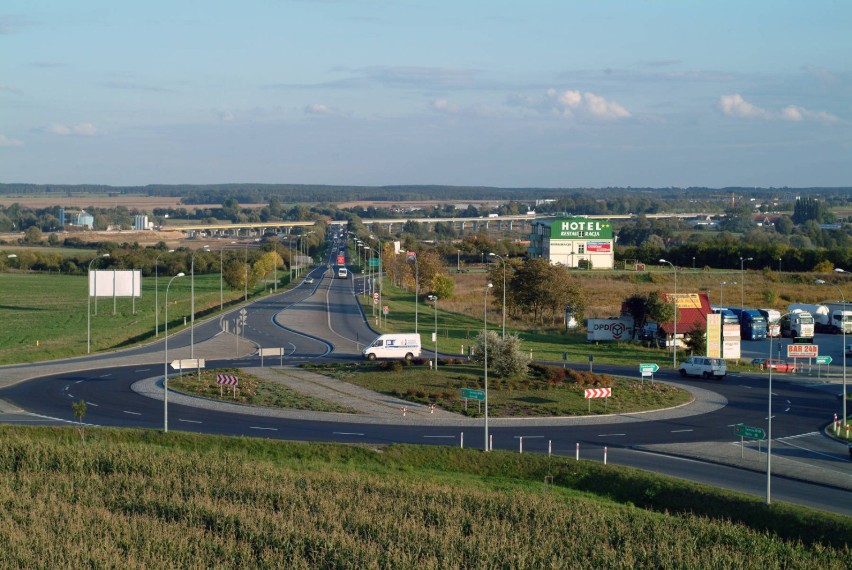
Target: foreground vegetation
[
  {"x": 142, "y": 499},
  {"x": 544, "y": 391}
]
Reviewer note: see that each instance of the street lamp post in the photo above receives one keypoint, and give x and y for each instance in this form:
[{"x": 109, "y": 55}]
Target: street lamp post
[
  {"x": 504, "y": 291},
  {"x": 434, "y": 299},
  {"x": 722, "y": 284},
  {"x": 769, "y": 423},
  {"x": 416, "y": 289},
  {"x": 458, "y": 261},
  {"x": 192, "y": 303},
  {"x": 674, "y": 333},
  {"x": 742, "y": 280},
  {"x": 843, "y": 328},
  {"x": 166, "y": 360},
  {"x": 89, "y": 305},
  {"x": 485, "y": 352},
  {"x": 156, "y": 294}
]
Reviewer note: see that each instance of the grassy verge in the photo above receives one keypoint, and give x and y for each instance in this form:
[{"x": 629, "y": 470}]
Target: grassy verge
[
  {"x": 135, "y": 499},
  {"x": 528, "y": 396},
  {"x": 251, "y": 391},
  {"x": 46, "y": 315}
]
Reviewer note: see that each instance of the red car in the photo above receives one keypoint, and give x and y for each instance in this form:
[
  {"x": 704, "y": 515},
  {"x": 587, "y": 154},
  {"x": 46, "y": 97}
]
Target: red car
[{"x": 774, "y": 364}]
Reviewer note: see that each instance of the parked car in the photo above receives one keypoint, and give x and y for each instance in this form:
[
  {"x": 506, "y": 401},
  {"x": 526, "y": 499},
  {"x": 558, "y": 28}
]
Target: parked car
[
  {"x": 703, "y": 366},
  {"x": 775, "y": 364}
]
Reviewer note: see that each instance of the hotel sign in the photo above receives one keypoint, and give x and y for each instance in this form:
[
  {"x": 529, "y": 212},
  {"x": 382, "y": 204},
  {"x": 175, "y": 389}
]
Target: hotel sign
[{"x": 580, "y": 228}]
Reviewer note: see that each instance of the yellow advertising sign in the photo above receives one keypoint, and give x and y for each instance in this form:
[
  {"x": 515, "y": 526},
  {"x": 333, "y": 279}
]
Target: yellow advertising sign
[
  {"x": 714, "y": 335},
  {"x": 685, "y": 300}
]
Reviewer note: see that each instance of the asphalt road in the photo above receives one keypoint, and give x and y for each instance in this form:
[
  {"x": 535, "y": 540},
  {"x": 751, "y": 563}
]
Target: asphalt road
[{"x": 324, "y": 320}]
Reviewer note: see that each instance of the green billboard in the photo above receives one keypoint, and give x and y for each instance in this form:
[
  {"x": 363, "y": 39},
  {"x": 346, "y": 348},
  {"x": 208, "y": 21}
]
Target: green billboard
[{"x": 580, "y": 228}]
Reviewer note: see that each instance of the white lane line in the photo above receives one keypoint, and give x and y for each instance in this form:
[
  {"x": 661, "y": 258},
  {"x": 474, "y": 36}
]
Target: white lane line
[
  {"x": 808, "y": 450},
  {"x": 104, "y": 375},
  {"x": 610, "y": 434},
  {"x": 132, "y": 413},
  {"x": 797, "y": 436},
  {"x": 346, "y": 433},
  {"x": 529, "y": 436},
  {"x": 436, "y": 436},
  {"x": 65, "y": 389},
  {"x": 744, "y": 386},
  {"x": 786, "y": 410},
  {"x": 91, "y": 404},
  {"x": 263, "y": 428},
  {"x": 143, "y": 370},
  {"x": 189, "y": 421},
  {"x": 680, "y": 430},
  {"x": 78, "y": 381}
]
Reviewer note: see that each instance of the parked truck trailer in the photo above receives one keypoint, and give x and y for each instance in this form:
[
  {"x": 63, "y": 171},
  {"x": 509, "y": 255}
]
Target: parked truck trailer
[
  {"x": 828, "y": 317},
  {"x": 752, "y": 323},
  {"x": 798, "y": 324}
]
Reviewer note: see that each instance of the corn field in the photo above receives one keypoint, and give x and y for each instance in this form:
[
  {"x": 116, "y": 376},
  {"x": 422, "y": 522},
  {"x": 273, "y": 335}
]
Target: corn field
[{"x": 68, "y": 504}]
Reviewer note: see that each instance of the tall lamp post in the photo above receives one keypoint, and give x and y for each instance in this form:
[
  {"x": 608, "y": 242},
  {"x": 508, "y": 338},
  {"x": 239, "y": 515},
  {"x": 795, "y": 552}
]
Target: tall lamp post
[
  {"x": 166, "y": 360},
  {"x": 742, "y": 280},
  {"x": 89, "y": 305},
  {"x": 721, "y": 285},
  {"x": 416, "y": 286},
  {"x": 504, "y": 291},
  {"x": 843, "y": 327},
  {"x": 192, "y": 302},
  {"x": 434, "y": 299},
  {"x": 380, "y": 252},
  {"x": 674, "y": 333},
  {"x": 156, "y": 293},
  {"x": 485, "y": 352},
  {"x": 769, "y": 423}
]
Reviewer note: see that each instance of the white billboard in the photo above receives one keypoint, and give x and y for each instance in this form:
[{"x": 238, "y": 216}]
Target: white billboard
[{"x": 115, "y": 283}]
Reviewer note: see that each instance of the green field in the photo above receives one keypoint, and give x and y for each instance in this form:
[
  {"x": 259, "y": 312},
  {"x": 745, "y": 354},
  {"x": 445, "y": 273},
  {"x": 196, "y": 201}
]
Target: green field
[
  {"x": 506, "y": 398},
  {"x": 143, "y": 499},
  {"x": 45, "y": 315}
]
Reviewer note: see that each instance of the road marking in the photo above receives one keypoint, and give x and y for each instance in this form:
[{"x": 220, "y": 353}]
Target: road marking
[
  {"x": 65, "y": 389},
  {"x": 787, "y": 410},
  {"x": 78, "y": 381},
  {"x": 132, "y": 413},
  {"x": 610, "y": 434},
  {"x": 437, "y": 436},
  {"x": 744, "y": 386},
  {"x": 263, "y": 428},
  {"x": 808, "y": 450},
  {"x": 529, "y": 436},
  {"x": 345, "y": 433},
  {"x": 104, "y": 375},
  {"x": 91, "y": 404},
  {"x": 189, "y": 421},
  {"x": 680, "y": 430},
  {"x": 798, "y": 436},
  {"x": 143, "y": 370}
]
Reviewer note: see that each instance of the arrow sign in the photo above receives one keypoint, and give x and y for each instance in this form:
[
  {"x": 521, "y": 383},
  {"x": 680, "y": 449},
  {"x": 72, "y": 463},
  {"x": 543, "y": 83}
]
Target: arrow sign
[
  {"x": 749, "y": 432},
  {"x": 598, "y": 393},
  {"x": 649, "y": 367},
  {"x": 471, "y": 394},
  {"x": 823, "y": 359},
  {"x": 187, "y": 363}
]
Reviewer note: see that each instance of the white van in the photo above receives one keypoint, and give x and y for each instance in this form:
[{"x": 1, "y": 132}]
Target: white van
[
  {"x": 703, "y": 366},
  {"x": 342, "y": 273},
  {"x": 394, "y": 346}
]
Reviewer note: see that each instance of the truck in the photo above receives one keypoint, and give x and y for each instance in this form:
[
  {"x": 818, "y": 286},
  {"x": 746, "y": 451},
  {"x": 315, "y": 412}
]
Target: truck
[
  {"x": 773, "y": 326},
  {"x": 798, "y": 325},
  {"x": 609, "y": 330},
  {"x": 395, "y": 346},
  {"x": 752, "y": 323},
  {"x": 828, "y": 317},
  {"x": 728, "y": 316}
]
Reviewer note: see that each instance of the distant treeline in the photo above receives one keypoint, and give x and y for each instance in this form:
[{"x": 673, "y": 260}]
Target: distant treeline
[{"x": 262, "y": 193}]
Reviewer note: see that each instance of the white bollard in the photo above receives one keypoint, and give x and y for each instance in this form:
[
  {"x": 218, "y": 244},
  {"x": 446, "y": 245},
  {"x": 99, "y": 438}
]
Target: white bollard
[
  {"x": 604, "y": 455},
  {"x": 549, "y": 448},
  {"x": 461, "y": 440},
  {"x": 578, "y": 452},
  {"x": 491, "y": 443},
  {"x": 520, "y": 444}
]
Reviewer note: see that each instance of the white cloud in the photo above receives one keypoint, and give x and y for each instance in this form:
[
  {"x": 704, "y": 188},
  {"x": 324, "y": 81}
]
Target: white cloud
[
  {"x": 445, "y": 106},
  {"x": 796, "y": 114},
  {"x": 569, "y": 103},
  {"x": 319, "y": 109},
  {"x": 9, "y": 88},
  {"x": 82, "y": 129},
  {"x": 735, "y": 106},
  {"x": 6, "y": 141}
]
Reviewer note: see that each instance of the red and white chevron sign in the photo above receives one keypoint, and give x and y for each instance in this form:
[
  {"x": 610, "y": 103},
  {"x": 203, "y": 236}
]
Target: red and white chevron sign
[
  {"x": 228, "y": 380},
  {"x": 598, "y": 393}
]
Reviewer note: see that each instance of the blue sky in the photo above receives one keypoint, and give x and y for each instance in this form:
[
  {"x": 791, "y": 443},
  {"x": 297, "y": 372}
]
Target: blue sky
[{"x": 498, "y": 93}]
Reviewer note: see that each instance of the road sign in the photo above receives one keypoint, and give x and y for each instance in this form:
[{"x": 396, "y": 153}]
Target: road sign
[
  {"x": 385, "y": 310},
  {"x": 376, "y": 298},
  {"x": 187, "y": 363},
  {"x": 470, "y": 394},
  {"x": 802, "y": 350},
  {"x": 374, "y": 262},
  {"x": 749, "y": 432},
  {"x": 598, "y": 393},
  {"x": 648, "y": 368},
  {"x": 823, "y": 360},
  {"x": 271, "y": 351},
  {"x": 227, "y": 380}
]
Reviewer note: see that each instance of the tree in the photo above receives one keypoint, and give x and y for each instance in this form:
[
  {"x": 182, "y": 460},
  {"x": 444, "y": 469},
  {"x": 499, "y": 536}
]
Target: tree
[
  {"x": 33, "y": 235},
  {"x": 509, "y": 360},
  {"x": 79, "y": 408},
  {"x": 443, "y": 286},
  {"x": 696, "y": 339}
]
